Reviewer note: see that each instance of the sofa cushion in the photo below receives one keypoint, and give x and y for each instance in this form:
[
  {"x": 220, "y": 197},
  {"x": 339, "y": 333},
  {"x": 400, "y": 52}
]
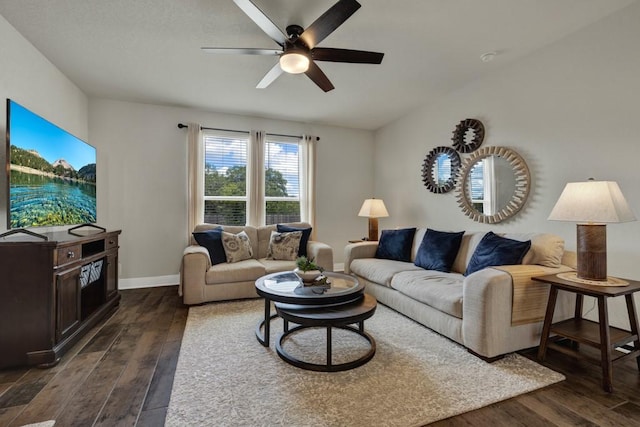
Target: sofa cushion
[
  {"x": 417, "y": 241},
  {"x": 212, "y": 240},
  {"x": 546, "y": 249},
  {"x": 236, "y": 246},
  {"x": 284, "y": 246},
  {"x": 469, "y": 243},
  {"x": 241, "y": 271},
  {"x": 494, "y": 250},
  {"x": 306, "y": 234},
  {"x": 442, "y": 291},
  {"x": 379, "y": 270},
  {"x": 396, "y": 244},
  {"x": 438, "y": 250},
  {"x": 276, "y": 265},
  {"x": 251, "y": 231}
]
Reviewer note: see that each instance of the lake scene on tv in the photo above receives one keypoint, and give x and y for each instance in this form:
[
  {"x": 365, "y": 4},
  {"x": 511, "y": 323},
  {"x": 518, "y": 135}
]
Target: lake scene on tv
[{"x": 52, "y": 178}]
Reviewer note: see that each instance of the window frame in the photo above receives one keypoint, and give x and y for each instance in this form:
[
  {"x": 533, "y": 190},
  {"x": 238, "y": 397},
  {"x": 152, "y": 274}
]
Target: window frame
[{"x": 245, "y": 138}]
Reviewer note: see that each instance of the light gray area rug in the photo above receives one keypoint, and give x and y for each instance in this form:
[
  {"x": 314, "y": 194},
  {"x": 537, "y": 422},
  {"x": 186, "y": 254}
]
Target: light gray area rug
[{"x": 224, "y": 377}]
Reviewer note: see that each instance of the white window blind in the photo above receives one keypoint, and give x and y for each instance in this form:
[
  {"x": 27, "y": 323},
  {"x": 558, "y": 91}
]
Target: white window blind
[
  {"x": 282, "y": 179},
  {"x": 225, "y": 175},
  {"x": 443, "y": 166}
]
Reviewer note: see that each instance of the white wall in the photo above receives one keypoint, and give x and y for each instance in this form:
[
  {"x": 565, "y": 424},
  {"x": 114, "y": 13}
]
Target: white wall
[
  {"x": 30, "y": 79},
  {"x": 142, "y": 162},
  {"x": 142, "y": 180},
  {"x": 571, "y": 110}
]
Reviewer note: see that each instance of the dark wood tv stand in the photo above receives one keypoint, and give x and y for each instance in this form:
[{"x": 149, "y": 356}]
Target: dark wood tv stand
[{"x": 54, "y": 291}]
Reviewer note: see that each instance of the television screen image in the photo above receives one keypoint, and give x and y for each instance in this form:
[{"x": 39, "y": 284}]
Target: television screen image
[{"x": 52, "y": 174}]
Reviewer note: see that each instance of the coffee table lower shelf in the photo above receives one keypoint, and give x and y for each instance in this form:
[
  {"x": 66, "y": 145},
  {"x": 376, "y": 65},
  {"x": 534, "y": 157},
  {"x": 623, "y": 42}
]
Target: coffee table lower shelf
[{"x": 338, "y": 316}]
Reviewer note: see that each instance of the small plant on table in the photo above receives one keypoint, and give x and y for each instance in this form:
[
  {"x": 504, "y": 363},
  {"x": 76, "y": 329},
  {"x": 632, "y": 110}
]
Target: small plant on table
[{"x": 307, "y": 269}]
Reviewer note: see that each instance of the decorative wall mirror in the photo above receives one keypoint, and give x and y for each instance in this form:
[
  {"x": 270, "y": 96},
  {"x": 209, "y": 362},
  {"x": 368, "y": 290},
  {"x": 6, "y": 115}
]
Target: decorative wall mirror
[
  {"x": 493, "y": 184},
  {"x": 468, "y": 135},
  {"x": 440, "y": 169}
]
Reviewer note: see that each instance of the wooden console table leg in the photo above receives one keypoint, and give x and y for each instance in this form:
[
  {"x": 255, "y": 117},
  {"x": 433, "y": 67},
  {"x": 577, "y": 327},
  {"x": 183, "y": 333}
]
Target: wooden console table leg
[
  {"x": 548, "y": 319},
  {"x": 605, "y": 345},
  {"x": 633, "y": 321}
]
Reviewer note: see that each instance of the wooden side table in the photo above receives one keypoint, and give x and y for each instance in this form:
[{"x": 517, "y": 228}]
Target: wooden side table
[{"x": 595, "y": 334}]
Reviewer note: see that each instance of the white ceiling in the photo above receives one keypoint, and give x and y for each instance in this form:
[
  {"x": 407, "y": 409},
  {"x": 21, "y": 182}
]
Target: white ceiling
[{"x": 149, "y": 50}]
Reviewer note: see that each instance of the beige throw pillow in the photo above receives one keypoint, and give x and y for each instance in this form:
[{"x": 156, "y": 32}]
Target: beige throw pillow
[
  {"x": 546, "y": 249},
  {"x": 237, "y": 247},
  {"x": 284, "y": 246}
]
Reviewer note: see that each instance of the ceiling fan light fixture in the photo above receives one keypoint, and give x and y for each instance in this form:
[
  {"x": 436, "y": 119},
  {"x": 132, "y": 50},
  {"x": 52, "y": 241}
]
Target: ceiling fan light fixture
[{"x": 294, "y": 62}]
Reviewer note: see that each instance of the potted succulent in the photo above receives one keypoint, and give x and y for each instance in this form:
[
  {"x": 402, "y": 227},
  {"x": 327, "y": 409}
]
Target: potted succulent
[{"x": 307, "y": 270}]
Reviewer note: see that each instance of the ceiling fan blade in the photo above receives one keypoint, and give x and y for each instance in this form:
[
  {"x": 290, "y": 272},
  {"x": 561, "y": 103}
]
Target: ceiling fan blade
[
  {"x": 270, "y": 77},
  {"x": 241, "y": 51},
  {"x": 328, "y": 22},
  {"x": 346, "y": 55},
  {"x": 262, "y": 20},
  {"x": 315, "y": 73}
]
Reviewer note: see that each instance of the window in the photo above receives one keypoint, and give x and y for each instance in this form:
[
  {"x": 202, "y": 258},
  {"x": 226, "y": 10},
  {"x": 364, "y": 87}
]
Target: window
[
  {"x": 275, "y": 196},
  {"x": 225, "y": 178},
  {"x": 281, "y": 180},
  {"x": 477, "y": 186},
  {"x": 443, "y": 168},
  {"x": 483, "y": 186}
]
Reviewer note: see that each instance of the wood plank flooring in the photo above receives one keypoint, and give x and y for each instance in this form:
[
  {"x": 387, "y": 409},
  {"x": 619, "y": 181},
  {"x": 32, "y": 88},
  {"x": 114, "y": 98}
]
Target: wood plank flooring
[{"x": 121, "y": 374}]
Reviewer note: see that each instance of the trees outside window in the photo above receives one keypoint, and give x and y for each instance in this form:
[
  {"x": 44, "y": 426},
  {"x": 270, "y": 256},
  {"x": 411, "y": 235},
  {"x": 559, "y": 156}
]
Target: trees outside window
[{"x": 226, "y": 174}]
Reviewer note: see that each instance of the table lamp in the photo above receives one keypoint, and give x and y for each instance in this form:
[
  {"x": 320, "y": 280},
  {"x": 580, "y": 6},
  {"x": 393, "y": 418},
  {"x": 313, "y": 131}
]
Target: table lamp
[
  {"x": 592, "y": 204},
  {"x": 373, "y": 209}
]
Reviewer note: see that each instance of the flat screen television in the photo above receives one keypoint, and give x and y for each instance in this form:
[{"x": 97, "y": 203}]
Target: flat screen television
[{"x": 51, "y": 173}]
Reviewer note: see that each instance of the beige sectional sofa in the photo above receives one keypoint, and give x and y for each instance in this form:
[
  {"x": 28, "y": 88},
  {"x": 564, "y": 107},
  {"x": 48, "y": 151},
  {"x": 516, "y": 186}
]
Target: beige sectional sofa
[
  {"x": 200, "y": 281},
  {"x": 477, "y": 310}
]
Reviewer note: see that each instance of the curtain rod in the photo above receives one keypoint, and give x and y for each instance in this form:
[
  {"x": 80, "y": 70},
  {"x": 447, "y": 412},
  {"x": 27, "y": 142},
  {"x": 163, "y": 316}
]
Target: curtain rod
[{"x": 182, "y": 126}]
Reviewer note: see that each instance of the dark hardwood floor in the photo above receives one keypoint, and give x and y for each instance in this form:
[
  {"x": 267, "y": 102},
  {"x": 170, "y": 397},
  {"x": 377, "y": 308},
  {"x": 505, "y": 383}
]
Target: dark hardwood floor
[{"x": 121, "y": 374}]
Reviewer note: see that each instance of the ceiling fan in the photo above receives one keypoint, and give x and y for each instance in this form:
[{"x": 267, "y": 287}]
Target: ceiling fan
[{"x": 299, "y": 51}]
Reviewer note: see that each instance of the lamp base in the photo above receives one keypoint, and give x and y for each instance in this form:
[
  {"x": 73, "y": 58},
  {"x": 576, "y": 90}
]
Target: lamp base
[
  {"x": 373, "y": 229},
  {"x": 592, "y": 252}
]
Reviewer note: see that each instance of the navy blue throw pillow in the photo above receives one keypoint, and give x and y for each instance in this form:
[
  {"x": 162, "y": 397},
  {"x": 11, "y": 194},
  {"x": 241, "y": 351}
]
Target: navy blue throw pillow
[
  {"x": 438, "y": 250},
  {"x": 396, "y": 244},
  {"x": 494, "y": 250},
  {"x": 306, "y": 234},
  {"x": 212, "y": 240}
]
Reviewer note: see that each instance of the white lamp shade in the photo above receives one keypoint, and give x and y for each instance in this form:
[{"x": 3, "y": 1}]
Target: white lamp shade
[
  {"x": 294, "y": 62},
  {"x": 592, "y": 202},
  {"x": 373, "y": 208}
]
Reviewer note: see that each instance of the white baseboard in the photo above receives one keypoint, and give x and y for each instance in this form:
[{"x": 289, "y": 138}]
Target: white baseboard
[
  {"x": 172, "y": 280},
  {"x": 149, "y": 282}
]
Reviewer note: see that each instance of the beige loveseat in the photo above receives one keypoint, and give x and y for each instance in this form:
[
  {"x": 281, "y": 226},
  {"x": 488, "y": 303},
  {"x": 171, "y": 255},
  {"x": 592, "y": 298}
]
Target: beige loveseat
[
  {"x": 477, "y": 310},
  {"x": 201, "y": 282}
]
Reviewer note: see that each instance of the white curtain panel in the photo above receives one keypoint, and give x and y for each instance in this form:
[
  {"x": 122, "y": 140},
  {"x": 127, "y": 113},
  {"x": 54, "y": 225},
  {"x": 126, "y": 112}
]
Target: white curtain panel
[
  {"x": 255, "y": 190},
  {"x": 195, "y": 178},
  {"x": 308, "y": 181}
]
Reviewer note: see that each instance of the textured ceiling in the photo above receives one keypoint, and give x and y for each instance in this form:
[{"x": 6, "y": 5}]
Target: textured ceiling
[{"x": 149, "y": 50}]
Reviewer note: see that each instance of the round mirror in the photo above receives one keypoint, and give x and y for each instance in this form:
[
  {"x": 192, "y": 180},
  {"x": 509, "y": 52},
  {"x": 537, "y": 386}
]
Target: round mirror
[
  {"x": 468, "y": 135},
  {"x": 440, "y": 169},
  {"x": 493, "y": 184}
]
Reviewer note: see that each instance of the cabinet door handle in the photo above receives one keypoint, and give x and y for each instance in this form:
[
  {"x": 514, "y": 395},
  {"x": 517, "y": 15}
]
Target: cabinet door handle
[
  {"x": 111, "y": 242},
  {"x": 71, "y": 254}
]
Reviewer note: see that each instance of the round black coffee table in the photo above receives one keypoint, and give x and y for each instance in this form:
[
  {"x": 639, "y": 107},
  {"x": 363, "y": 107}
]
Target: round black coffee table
[{"x": 339, "y": 304}]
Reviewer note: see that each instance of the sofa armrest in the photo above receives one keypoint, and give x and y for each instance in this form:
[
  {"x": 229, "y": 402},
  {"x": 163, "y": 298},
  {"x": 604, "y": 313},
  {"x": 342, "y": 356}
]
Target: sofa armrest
[
  {"x": 358, "y": 250},
  {"x": 321, "y": 253},
  {"x": 195, "y": 264}
]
